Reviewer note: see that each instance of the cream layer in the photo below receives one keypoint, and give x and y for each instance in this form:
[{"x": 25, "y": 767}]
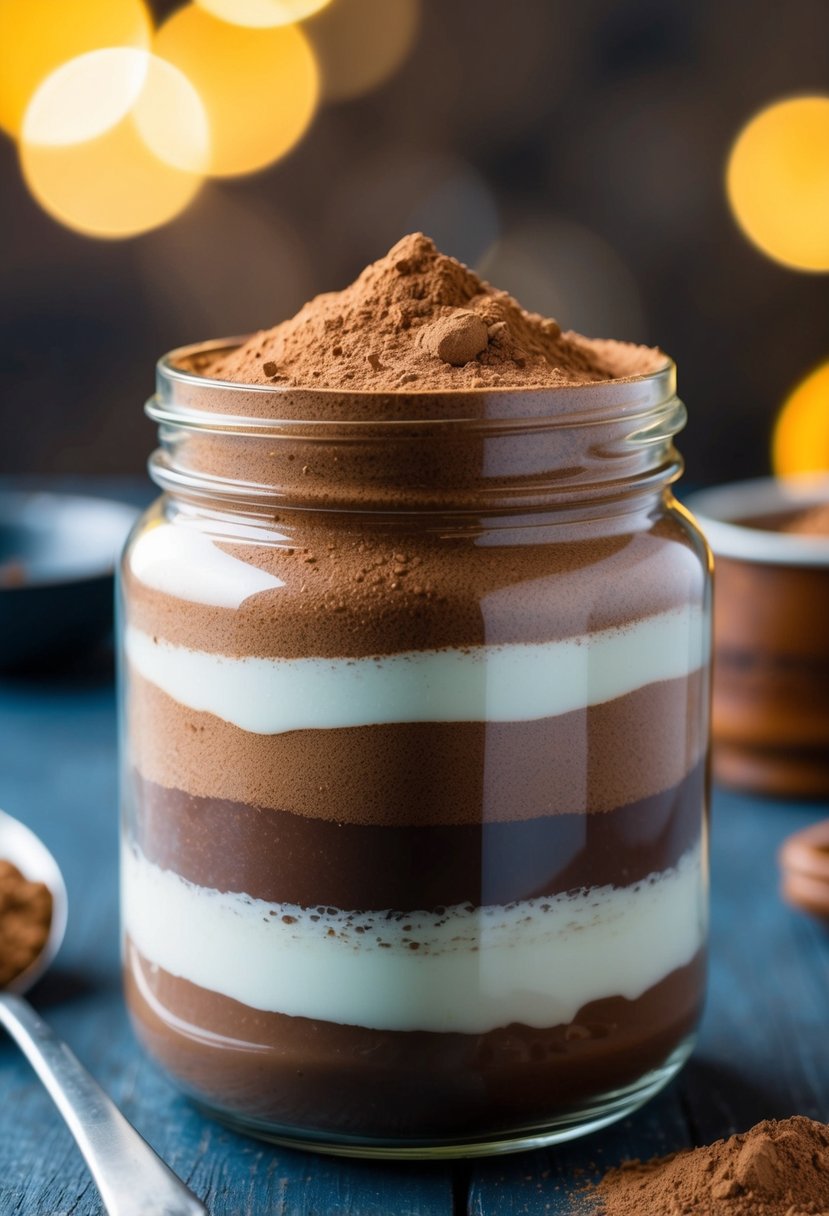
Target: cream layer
[
  {"x": 508, "y": 683},
  {"x": 463, "y": 969}
]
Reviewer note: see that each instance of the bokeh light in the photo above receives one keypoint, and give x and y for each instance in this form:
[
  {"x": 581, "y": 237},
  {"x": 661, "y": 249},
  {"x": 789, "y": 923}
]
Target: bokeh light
[
  {"x": 567, "y": 271},
  {"x": 778, "y": 182},
  {"x": 390, "y": 191},
  {"x": 260, "y": 14},
  {"x": 259, "y": 86},
  {"x": 801, "y": 436},
  {"x": 258, "y": 271},
  {"x": 86, "y": 97},
  {"x": 361, "y": 43},
  {"x": 38, "y": 36},
  {"x": 457, "y": 208},
  {"x": 114, "y": 143}
]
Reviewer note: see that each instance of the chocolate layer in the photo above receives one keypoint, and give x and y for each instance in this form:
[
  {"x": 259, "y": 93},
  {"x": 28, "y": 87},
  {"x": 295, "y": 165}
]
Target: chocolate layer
[
  {"x": 362, "y": 589},
  {"x": 430, "y": 773},
  {"x": 285, "y": 858},
  {"x": 320, "y": 1076}
]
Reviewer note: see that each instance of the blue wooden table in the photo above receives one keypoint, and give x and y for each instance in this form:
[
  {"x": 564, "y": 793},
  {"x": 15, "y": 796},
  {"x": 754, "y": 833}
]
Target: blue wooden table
[{"x": 763, "y": 1051}]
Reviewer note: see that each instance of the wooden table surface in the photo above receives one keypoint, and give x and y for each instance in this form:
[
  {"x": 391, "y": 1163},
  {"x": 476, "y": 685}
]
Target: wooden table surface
[{"x": 763, "y": 1051}]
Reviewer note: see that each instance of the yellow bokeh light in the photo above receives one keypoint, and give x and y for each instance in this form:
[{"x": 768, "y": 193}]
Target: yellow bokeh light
[
  {"x": 86, "y": 97},
  {"x": 122, "y": 167},
  {"x": 262, "y": 13},
  {"x": 37, "y": 36},
  {"x": 778, "y": 182},
  {"x": 259, "y": 86},
  {"x": 801, "y": 436},
  {"x": 361, "y": 43}
]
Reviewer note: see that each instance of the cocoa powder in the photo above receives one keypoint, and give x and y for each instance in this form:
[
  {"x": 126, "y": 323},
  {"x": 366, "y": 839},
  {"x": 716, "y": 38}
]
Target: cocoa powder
[
  {"x": 419, "y": 320},
  {"x": 25, "y": 917},
  {"x": 814, "y": 521},
  {"x": 779, "y": 1168}
]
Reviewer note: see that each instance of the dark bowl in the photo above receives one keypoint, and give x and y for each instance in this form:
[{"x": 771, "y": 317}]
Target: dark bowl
[{"x": 57, "y": 560}]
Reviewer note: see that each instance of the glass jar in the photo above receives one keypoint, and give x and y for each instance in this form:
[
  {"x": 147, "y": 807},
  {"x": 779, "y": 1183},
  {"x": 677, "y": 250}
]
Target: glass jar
[{"x": 415, "y": 725}]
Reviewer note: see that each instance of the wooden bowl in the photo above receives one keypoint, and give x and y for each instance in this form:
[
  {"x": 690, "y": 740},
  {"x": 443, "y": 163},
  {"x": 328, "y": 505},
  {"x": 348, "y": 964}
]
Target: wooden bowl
[{"x": 771, "y": 637}]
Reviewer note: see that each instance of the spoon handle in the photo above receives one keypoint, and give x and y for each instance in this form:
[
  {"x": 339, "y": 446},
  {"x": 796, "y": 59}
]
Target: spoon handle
[{"x": 132, "y": 1179}]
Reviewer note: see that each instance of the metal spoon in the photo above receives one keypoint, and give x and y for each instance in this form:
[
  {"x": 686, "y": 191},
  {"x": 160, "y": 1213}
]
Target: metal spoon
[{"x": 132, "y": 1179}]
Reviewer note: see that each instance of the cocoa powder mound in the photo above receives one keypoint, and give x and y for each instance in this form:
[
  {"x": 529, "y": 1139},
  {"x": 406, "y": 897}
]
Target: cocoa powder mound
[
  {"x": 419, "y": 320},
  {"x": 779, "y": 1168},
  {"x": 25, "y": 917}
]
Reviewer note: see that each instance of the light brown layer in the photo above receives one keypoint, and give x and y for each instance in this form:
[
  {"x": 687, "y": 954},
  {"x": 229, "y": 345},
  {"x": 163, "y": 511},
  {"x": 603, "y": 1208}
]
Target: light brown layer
[
  {"x": 429, "y": 773},
  {"x": 354, "y": 591}
]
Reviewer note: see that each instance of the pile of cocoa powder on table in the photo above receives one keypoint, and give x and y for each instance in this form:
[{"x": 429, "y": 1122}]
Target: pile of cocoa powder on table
[{"x": 779, "y": 1168}]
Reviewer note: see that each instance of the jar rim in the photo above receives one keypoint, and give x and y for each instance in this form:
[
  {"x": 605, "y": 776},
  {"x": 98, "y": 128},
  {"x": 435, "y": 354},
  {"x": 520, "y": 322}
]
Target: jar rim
[{"x": 185, "y": 397}]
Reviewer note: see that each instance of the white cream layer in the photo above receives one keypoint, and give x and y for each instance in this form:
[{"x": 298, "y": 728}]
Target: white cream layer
[
  {"x": 536, "y": 962},
  {"x": 509, "y": 683}
]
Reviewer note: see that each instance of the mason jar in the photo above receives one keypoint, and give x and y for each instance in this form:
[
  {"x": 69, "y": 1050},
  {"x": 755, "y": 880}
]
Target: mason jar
[{"x": 414, "y": 707}]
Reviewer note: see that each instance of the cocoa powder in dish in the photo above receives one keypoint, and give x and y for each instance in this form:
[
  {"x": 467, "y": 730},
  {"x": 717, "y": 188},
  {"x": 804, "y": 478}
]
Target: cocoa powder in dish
[
  {"x": 778, "y": 1168},
  {"x": 419, "y": 320},
  {"x": 25, "y": 917},
  {"x": 814, "y": 521}
]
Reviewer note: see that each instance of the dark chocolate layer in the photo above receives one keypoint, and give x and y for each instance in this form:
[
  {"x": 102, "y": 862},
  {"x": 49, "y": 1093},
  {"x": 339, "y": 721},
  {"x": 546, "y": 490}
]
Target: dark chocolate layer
[
  {"x": 321, "y": 1076},
  {"x": 285, "y": 858}
]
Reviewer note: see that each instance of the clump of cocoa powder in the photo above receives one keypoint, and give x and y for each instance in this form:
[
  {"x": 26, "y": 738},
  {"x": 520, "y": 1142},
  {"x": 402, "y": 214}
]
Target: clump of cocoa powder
[
  {"x": 417, "y": 319},
  {"x": 779, "y": 1168},
  {"x": 25, "y": 917},
  {"x": 813, "y": 521}
]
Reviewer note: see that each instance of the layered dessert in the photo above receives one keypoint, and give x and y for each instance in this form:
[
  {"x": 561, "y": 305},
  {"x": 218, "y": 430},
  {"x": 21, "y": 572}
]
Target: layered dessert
[{"x": 414, "y": 800}]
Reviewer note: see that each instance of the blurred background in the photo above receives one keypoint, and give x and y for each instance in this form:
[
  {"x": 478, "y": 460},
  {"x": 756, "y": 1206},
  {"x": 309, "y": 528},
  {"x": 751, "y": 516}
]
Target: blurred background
[{"x": 641, "y": 169}]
